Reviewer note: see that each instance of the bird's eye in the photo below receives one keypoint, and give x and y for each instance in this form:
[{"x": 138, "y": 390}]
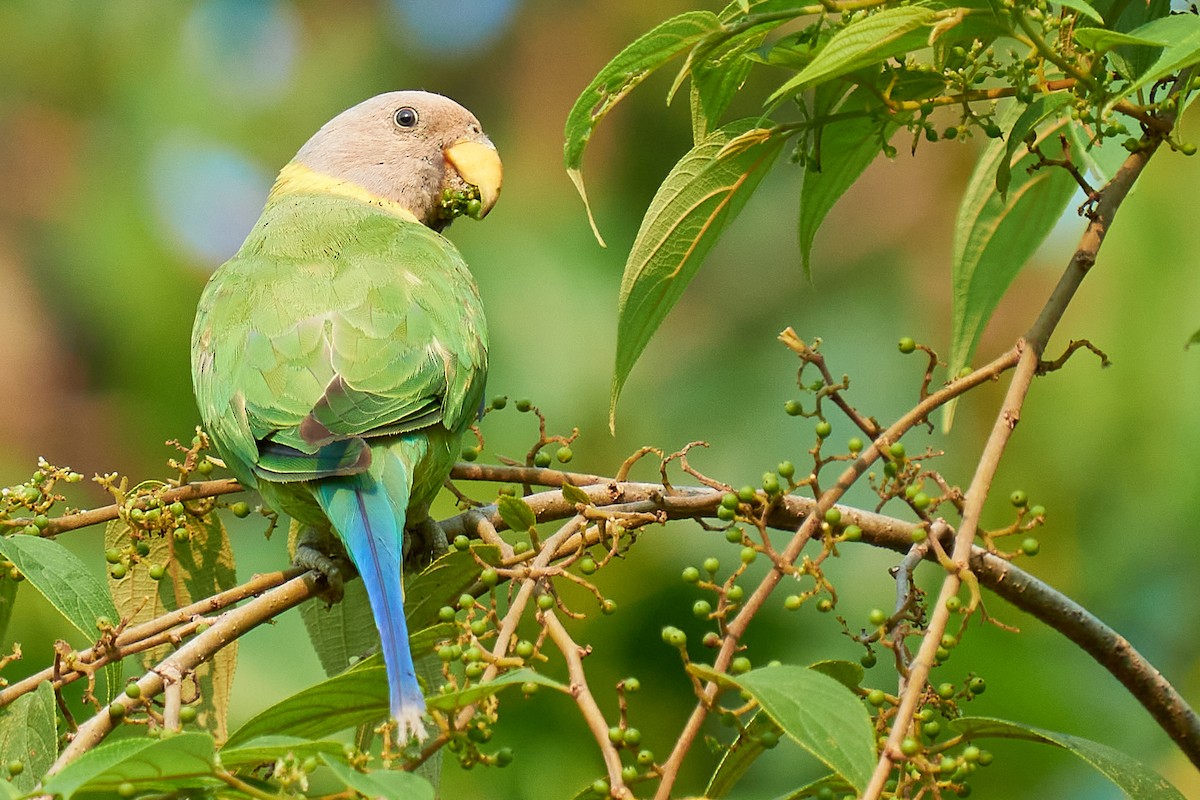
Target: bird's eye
[{"x": 406, "y": 117}]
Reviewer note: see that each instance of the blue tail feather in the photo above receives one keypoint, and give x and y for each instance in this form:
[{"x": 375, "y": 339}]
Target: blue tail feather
[{"x": 370, "y": 523}]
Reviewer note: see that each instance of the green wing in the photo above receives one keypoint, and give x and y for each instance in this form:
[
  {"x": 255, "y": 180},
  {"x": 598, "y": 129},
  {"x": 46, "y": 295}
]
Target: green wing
[{"x": 334, "y": 324}]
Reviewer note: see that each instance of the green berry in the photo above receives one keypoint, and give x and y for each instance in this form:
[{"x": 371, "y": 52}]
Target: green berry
[
  {"x": 608, "y": 607},
  {"x": 524, "y": 405},
  {"x": 977, "y": 685},
  {"x": 187, "y": 714},
  {"x": 1030, "y": 546},
  {"x": 499, "y": 402},
  {"x": 729, "y": 500},
  {"x": 524, "y": 648},
  {"x": 910, "y": 747},
  {"x": 126, "y": 789},
  {"x": 792, "y": 602},
  {"x": 564, "y": 454},
  {"x": 769, "y": 740},
  {"x": 118, "y": 571},
  {"x": 1018, "y": 498},
  {"x": 616, "y": 735},
  {"x": 181, "y": 534},
  {"x": 587, "y": 565},
  {"x": 645, "y": 758},
  {"x": 953, "y": 603},
  {"x": 156, "y": 572},
  {"x": 931, "y": 729},
  {"x": 793, "y": 408},
  {"x": 971, "y": 753},
  {"x": 921, "y": 501},
  {"x": 1037, "y": 511},
  {"x": 466, "y": 601},
  {"x": 726, "y": 514},
  {"x": 133, "y": 691},
  {"x": 919, "y": 535},
  {"x": 116, "y": 711},
  {"x": 461, "y": 542},
  {"x": 205, "y": 467},
  {"x": 629, "y": 773},
  {"x": 877, "y": 617},
  {"x": 748, "y": 555},
  {"x": 541, "y": 459},
  {"x": 786, "y": 469},
  {"x": 600, "y": 788},
  {"x": 41, "y": 521},
  {"x": 824, "y": 605},
  {"x": 852, "y": 533},
  {"x": 945, "y": 690},
  {"x": 504, "y": 757},
  {"x": 16, "y": 575},
  {"x": 711, "y": 565},
  {"x": 823, "y": 429},
  {"x": 986, "y": 757},
  {"x": 632, "y": 685},
  {"x": 833, "y": 516},
  {"x": 16, "y": 767},
  {"x": 489, "y": 577},
  {"x": 142, "y": 548},
  {"x": 545, "y": 602},
  {"x": 907, "y": 344},
  {"x": 474, "y": 670},
  {"x": 711, "y": 640},
  {"x": 770, "y": 483},
  {"x": 690, "y": 575},
  {"x": 112, "y": 555},
  {"x": 897, "y": 450},
  {"x": 240, "y": 509},
  {"x": 747, "y": 494},
  {"x": 739, "y": 665},
  {"x": 177, "y": 509},
  {"x": 446, "y": 614},
  {"x": 701, "y": 609},
  {"x": 855, "y": 445},
  {"x": 445, "y": 653},
  {"x": 950, "y": 133},
  {"x": 735, "y": 593},
  {"x": 876, "y": 697},
  {"x": 521, "y": 547},
  {"x": 470, "y": 453},
  {"x": 673, "y": 636}
]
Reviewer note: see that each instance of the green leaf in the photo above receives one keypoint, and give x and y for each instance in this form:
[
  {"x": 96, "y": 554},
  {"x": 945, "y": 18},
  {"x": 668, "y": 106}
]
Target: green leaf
[
  {"x": 871, "y": 40},
  {"x": 516, "y": 513},
  {"x": 341, "y": 633},
  {"x": 63, "y": 579},
  {"x": 478, "y": 691},
  {"x": 1038, "y": 110},
  {"x": 1102, "y": 39},
  {"x": 819, "y": 714},
  {"x": 847, "y": 673},
  {"x": 1102, "y": 158},
  {"x": 199, "y": 567},
  {"x": 573, "y": 494},
  {"x": 847, "y": 148},
  {"x": 8, "y": 601},
  {"x": 703, "y": 192},
  {"x": 1083, "y": 7},
  {"x": 1180, "y": 34},
  {"x": 180, "y": 761},
  {"x": 1194, "y": 339},
  {"x": 995, "y": 235},
  {"x": 833, "y": 782},
  {"x": 356, "y": 696},
  {"x": 268, "y": 749},
  {"x": 718, "y": 71},
  {"x": 1131, "y": 776},
  {"x": 442, "y": 582},
  {"x": 740, "y": 756},
  {"x": 381, "y": 784},
  {"x": 29, "y": 734},
  {"x": 629, "y": 68}
]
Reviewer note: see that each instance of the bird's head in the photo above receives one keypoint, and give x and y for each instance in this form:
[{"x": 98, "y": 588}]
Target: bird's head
[{"x": 419, "y": 150}]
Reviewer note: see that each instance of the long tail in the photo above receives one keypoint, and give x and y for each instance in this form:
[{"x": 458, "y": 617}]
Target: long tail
[{"x": 370, "y": 522}]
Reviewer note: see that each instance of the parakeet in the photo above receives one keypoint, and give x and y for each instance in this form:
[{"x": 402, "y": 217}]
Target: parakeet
[{"x": 340, "y": 355}]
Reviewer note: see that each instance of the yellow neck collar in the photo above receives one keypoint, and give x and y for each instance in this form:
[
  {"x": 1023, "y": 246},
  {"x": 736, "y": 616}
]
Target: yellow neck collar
[{"x": 295, "y": 178}]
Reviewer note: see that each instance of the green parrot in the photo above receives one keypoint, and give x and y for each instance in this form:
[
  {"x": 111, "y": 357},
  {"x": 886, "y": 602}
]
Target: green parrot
[{"x": 340, "y": 355}]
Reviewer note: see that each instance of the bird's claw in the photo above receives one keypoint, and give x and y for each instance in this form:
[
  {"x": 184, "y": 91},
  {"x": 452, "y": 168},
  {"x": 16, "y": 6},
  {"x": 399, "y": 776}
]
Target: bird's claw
[{"x": 312, "y": 552}]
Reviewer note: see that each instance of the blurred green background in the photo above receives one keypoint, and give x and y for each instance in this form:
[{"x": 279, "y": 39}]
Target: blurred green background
[{"x": 138, "y": 139}]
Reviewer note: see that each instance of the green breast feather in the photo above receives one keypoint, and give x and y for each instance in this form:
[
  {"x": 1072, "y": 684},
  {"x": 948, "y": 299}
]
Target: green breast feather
[{"x": 335, "y": 324}]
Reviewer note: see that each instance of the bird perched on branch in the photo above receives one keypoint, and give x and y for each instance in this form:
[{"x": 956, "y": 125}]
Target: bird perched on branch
[{"x": 340, "y": 355}]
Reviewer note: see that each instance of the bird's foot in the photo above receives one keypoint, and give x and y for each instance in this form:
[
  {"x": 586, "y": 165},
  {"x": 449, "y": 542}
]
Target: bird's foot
[
  {"x": 427, "y": 542},
  {"x": 313, "y": 548}
]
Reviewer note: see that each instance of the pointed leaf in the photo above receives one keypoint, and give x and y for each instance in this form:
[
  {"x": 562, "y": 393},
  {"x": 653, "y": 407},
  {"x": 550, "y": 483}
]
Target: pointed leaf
[
  {"x": 718, "y": 71},
  {"x": 1180, "y": 34},
  {"x": 1038, "y": 110},
  {"x": 8, "y": 600},
  {"x": 627, "y": 69},
  {"x": 356, "y": 696},
  {"x": 200, "y": 566},
  {"x": 847, "y": 148},
  {"x": 516, "y": 513},
  {"x": 871, "y": 40},
  {"x": 1131, "y": 776},
  {"x": 63, "y": 579},
  {"x": 478, "y": 691},
  {"x": 819, "y": 714},
  {"x": 740, "y": 756},
  {"x": 381, "y": 784},
  {"x": 573, "y": 494},
  {"x": 1083, "y": 7},
  {"x": 442, "y": 582},
  {"x": 344, "y": 632},
  {"x": 1102, "y": 39},
  {"x": 698, "y": 198},
  {"x": 994, "y": 236},
  {"x": 29, "y": 734},
  {"x": 268, "y": 749},
  {"x": 183, "y": 760}
]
